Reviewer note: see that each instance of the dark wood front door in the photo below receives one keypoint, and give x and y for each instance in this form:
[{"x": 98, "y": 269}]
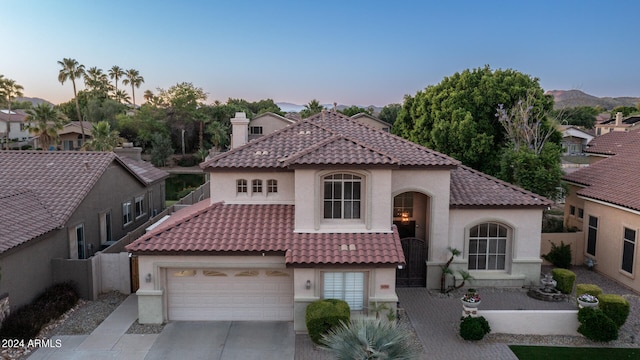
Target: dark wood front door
[{"x": 414, "y": 273}]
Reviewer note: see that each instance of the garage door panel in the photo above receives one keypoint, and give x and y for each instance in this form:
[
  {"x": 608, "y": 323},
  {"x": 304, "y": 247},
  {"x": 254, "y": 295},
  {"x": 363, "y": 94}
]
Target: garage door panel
[{"x": 256, "y": 295}]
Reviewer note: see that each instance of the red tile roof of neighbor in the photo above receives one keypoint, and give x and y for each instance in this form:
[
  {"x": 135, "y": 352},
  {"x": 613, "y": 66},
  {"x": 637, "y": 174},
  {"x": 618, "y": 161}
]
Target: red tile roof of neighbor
[
  {"x": 615, "y": 142},
  {"x": 231, "y": 228},
  {"x": 22, "y": 217},
  {"x": 54, "y": 182}
]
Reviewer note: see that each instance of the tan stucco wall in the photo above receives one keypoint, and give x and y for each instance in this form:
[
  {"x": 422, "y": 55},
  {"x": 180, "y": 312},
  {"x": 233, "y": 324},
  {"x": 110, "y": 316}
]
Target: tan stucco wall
[
  {"x": 609, "y": 241},
  {"x": 223, "y": 188},
  {"x": 269, "y": 123},
  {"x": 573, "y": 221}
]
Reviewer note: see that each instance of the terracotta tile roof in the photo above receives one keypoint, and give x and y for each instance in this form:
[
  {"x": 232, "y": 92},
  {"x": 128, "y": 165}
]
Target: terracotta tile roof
[
  {"x": 329, "y": 130},
  {"x": 232, "y": 228},
  {"x": 615, "y": 142},
  {"x": 23, "y": 217},
  {"x": 471, "y": 188},
  {"x": 148, "y": 173},
  {"x": 613, "y": 180}
]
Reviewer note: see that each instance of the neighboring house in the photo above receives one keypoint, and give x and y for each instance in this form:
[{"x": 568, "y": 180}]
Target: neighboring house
[
  {"x": 330, "y": 207},
  {"x": 574, "y": 139},
  {"x": 15, "y": 124},
  {"x": 372, "y": 121},
  {"x": 67, "y": 205},
  {"x": 70, "y": 136},
  {"x": 617, "y": 124},
  {"x": 604, "y": 203},
  {"x": 267, "y": 123}
]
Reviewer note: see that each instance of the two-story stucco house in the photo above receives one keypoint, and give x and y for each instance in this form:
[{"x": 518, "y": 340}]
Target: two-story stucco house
[{"x": 329, "y": 207}]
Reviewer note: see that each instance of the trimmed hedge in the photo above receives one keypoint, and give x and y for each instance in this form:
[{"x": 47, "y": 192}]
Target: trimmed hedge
[
  {"x": 565, "y": 279},
  {"x": 590, "y": 289},
  {"x": 615, "y": 307},
  {"x": 474, "y": 328},
  {"x": 26, "y": 322},
  {"x": 323, "y": 315},
  {"x": 596, "y": 326}
]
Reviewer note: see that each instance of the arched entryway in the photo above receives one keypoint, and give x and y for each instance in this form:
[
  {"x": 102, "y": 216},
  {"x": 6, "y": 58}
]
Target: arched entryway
[{"x": 411, "y": 217}]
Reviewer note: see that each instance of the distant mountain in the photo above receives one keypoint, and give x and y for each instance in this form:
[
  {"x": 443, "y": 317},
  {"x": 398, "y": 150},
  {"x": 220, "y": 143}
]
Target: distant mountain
[
  {"x": 573, "y": 98},
  {"x": 289, "y": 107},
  {"x": 34, "y": 101}
]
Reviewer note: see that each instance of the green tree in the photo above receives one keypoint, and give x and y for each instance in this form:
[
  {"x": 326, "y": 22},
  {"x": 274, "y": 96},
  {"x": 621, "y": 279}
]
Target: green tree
[
  {"x": 133, "y": 77},
  {"x": 584, "y": 116},
  {"x": 353, "y": 110},
  {"x": 72, "y": 70},
  {"x": 457, "y": 116},
  {"x": 97, "y": 83},
  {"x": 160, "y": 149},
  {"x": 103, "y": 138},
  {"x": 182, "y": 102},
  {"x": 9, "y": 90},
  {"x": 116, "y": 73},
  {"x": 312, "y": 108},
  {"x": 44, "y": 122},
  {"x": 625, "y": 110},
  {"x": 539, "y": 173},
  {"x": 219, "y": 134},
  {"x": 389, "y": 113}
]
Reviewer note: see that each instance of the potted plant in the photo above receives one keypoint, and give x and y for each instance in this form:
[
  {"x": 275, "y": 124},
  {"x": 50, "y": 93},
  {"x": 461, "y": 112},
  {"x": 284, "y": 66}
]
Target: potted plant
[
  {"x": 587, "y": 300},
  {"x": 471, "y": 298}
]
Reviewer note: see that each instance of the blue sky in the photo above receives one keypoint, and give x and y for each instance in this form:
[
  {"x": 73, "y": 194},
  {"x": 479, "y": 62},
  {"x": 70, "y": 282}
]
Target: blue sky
[{"x": 351, "y": 52}]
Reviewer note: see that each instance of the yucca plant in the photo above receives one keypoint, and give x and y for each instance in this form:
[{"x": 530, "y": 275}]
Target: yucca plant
[{"x": 365, "y": 339}]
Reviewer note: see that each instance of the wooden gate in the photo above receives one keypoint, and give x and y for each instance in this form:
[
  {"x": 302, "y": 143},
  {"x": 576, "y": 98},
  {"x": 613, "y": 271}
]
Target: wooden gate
[
  {"x": 135, "y": 276},
  {"x": 414, "y": 273}
]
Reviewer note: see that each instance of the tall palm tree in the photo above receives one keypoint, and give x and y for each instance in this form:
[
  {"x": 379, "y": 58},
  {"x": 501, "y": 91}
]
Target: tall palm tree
[
  {"x": 121, "y": 96},
  {"x": 97, "y": 82},
  {"x": 116, "y": 73},
  {"x": 133, "y": 77},
  {"x": 44, "y": 121},
  {"x": 148, "y": 95},
  {"x": 10, "y": 90},
  {"x": 71, "y": 70},
  {"x": 103, "y": 138},
  {"x": 312, "y": 108}
]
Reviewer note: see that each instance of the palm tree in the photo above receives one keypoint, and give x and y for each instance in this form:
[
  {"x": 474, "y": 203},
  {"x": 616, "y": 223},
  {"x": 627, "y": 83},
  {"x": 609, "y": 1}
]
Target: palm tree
[
  {"x": 104, "y": 139},
  {"x": 371, "y": 339},
  {"x": 116, "y": 73},
  {"x": 71, "y": 70},
  {"x": 312, "y": 108},
  {"x": 133, "y": 77},
  {"x": 44, "y": 121},
  {"x": 148, "y": 95},
  {"x": 96, "y": 81},
  {"x": 121, "y": 96},
  {"x": 9, "y": 90},
  {"x": 218, "y": 132}
]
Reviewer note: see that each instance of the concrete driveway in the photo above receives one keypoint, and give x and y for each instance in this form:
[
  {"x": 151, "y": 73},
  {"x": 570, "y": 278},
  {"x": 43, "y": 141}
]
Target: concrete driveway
[{"x": 224, "y": 340}]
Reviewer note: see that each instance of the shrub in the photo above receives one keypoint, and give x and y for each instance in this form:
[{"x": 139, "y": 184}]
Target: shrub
[
  {"x": 26, "y": 322},
  {"x": 565, "y": 279},
  {"x": 187, "y": 161},
  {"x": 596, "y": 326},
  {"x": 590, "y": 289},
  {"x": 368, "y": 339},
  {"x": 615, "y": 307},
  {"x": 559, "y": 255},
  {"x": 323, "y": 315},
  {"x": 474, "y": 328}
]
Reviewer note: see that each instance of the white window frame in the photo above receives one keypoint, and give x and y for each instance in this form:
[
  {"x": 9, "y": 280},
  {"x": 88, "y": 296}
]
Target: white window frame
[
  {"x": 349, "y": 286},
  {"x": 242, "y": 186},
  {"x": 256, "y": 186},
  {"x": 483, "y": 254},
  {"x": 127, "y": 213},
  {"x": 272, "y": 186},
  {"x": 139, "y": 207},
  {"x": 339, "y": 181}
]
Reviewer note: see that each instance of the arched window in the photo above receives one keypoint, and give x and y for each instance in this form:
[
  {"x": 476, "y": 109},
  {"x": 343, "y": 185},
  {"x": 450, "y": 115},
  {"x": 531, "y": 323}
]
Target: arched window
[
  {"x": 342, "y": 196},
  {"x": 488, "y": 246}
]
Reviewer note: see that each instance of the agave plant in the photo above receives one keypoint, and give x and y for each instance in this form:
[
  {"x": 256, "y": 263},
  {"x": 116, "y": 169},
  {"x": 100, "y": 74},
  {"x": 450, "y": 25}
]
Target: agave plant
[{"x": 365, "y": 339}]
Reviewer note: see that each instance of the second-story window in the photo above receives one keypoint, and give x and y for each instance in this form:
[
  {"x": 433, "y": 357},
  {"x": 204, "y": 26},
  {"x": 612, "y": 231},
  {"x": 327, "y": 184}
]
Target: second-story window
[
  {"x": 241, "y": 186},
  {"x": 255, "y": 130},
  {"x": 342, "y": 196},
  {"x": 127, "y": 217},
  {"x": 139, "y": 206},
  {"x": 272, "y": 186},
  {"x": 256, "y": 186}
]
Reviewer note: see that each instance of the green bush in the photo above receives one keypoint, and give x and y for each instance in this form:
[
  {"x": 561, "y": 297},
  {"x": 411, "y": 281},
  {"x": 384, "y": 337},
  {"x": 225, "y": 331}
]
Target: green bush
[
  {"x": 596, "y": 326},
  {"x": 615, "y": 307},
  {"x": 323, "y": 315},
  {"x": 188, "y": 160},
  {"x": 565, "y": 279},
  {"x": 590, "y": 289},
  {"x": 559, "y": 255},
  {"x": 26, "y": 322},
  {"x": 474, "y": 328}
]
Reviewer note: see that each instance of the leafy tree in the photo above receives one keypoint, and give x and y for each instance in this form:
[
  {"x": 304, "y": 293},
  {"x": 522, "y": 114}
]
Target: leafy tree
[
  {"x": 140, "y": 127},
  {"x": 72, "y": 70},
  {"x": 625, "y": 110},
  {"x": 540, "y": 173},
  {"x": 457, "y": 116},
  {"x": 584, "y": 116},
  {"x": 353, "y": 110},
  {"x": 44, "y": 121},
  {"x": 160, "y": 149},
  {"x": 389, "y": 113},
  {"x": 219, "y": 133},
  {"x": 9, "y": 90},
  {"x": 182, "y": 102},
  {"x": 133, "y": 77},
  {"x": 148, "y": 95},
  {"x": 312, "y": 108},
  {"x": 104, "y": 139},
  {"x": 116, "y": 73},
  {"x": 97, "y": 110},
  {"x": 256, "y": 107}
]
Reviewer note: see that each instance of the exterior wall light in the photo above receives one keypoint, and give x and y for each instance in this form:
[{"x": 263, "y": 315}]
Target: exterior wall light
[
  {"x": 148, "y": 278},
  {"x": 307, "y": 285}
]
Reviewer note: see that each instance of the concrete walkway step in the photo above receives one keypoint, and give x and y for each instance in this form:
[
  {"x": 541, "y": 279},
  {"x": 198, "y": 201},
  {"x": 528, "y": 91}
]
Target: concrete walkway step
[{"x": 107, "y": 334}]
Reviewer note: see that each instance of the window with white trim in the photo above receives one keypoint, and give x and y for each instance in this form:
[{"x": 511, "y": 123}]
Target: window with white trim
[
  {"x": 241, "y": 186},
  {"x": 255, "y": 130},
  {"x": 127, "y": 216},
  {"x": 347, "y": 286},
  {"x": 488, "y": 246},
  {"x": 272, "y": 186},
  {"x": 342, "y": 196},
  {"x": 628, "y": 250},
  {"x": 139, "y": 206},
  {"x": 256, "y": 186}
]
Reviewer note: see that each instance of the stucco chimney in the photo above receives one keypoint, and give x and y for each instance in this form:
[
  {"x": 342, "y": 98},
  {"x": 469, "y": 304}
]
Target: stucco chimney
[
  {"x": 128, "y": 150},
  {"x": 618, "y": 118},
  {"x": 239, "y": 130}
]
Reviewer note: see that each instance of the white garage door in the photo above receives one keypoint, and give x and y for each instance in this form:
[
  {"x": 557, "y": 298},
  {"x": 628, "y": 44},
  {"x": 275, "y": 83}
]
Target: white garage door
[{"x": 230, "y": 294}]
